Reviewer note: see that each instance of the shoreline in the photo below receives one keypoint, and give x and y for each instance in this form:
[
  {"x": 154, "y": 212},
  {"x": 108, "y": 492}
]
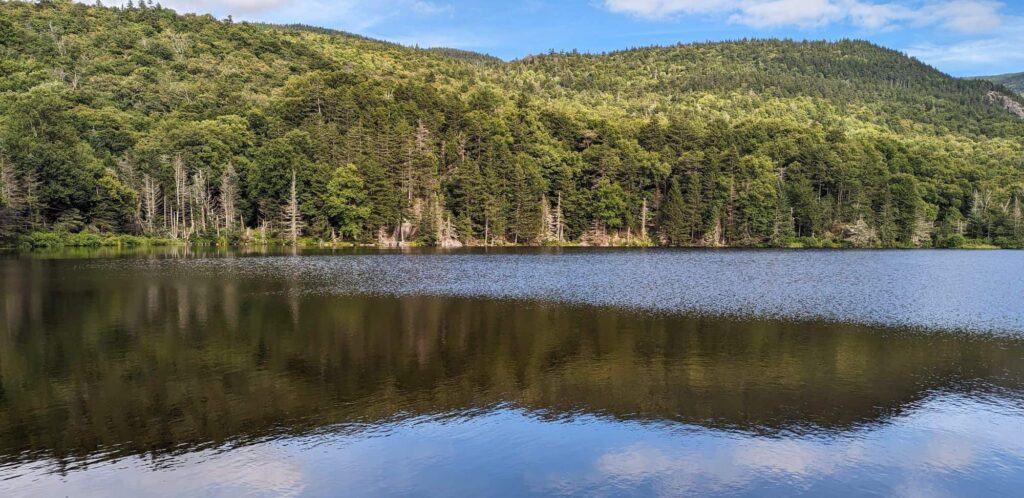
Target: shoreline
[{"x": 47, "y": 241}]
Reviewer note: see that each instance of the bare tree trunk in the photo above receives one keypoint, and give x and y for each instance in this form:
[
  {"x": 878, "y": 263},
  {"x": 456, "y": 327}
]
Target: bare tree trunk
[
  {"x": 292, "y": 214},
  {"x": 643, "y": 221},
  {"x": 547, "y": 222},
  {"x": 10, "y": 191},
  {"x": 1018, "y": 217},
  {"x": 558, "y": 218},
  {"x": 201, "y": 201},
  {"x": 180, "y": 196},
  {"x": 150, "y": 190},
  {"x": 228, "y": 192}
]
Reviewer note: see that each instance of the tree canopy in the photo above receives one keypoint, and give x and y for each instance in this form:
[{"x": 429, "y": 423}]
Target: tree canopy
[{"x": 140, "y": 120}]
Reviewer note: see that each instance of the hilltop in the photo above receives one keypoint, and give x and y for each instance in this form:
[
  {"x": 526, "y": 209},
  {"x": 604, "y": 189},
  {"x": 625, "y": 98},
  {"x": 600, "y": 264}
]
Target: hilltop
[{"x": 143, "y": 121}]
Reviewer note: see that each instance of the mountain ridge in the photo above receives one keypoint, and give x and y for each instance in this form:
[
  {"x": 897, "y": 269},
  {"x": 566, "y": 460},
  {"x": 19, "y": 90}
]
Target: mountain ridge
[{"x": 140, "y": 120}]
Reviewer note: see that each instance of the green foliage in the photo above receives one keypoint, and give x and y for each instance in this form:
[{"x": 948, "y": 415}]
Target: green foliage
[
  {"x": 609, "y": 204},
  {"x": 142, "y": 121},
  {"x": 346, "y": 201},
  {"x": 57, "y": 240}
]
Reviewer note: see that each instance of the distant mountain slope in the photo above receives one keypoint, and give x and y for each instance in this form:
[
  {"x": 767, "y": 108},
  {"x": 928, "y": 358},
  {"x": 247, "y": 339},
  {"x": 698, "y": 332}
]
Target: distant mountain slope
[
  {"x": 144, "y": 121},
  {"x": 1013, "y": 81},
  {"x": 844, "y": 73}
]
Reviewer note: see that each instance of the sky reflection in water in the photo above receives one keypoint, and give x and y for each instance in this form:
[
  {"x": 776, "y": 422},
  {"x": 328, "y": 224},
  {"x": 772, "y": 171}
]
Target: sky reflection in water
[{"x": 940, "y": 448}]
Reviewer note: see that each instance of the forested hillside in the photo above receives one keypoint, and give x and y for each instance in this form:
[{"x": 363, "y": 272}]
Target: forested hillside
[
  {"x": 1014, "y": 81},
  {"x": 141, "y": 121}
]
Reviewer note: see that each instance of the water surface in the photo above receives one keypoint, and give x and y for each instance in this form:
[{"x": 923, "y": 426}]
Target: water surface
[
  {"x": 512, "y": 373},
  {"x": 943, "y": 290}
]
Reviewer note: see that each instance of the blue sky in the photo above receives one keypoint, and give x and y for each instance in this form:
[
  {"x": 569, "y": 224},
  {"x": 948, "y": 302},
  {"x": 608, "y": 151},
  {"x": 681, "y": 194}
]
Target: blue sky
[{"x": 961, "y": 37}]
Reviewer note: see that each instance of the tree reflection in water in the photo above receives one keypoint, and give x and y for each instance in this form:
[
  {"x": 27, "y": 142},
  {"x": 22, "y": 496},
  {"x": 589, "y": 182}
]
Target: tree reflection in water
[{"x": 99, "y": 366}]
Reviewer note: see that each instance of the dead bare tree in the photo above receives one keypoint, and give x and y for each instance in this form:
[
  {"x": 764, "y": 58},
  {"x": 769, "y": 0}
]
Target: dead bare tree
[
  {"x": 150, "y": 202},
  {"x": 179, "y": 43},
  {"x": 292, "y": 214},
  {"x": 202, "y": 200},
  {"x": 1018, "y": 217},
  {"x": 551, "y": 221},
  {"x": 10, "y": 195},
  {"x": 558, "y": 220},
  {"x": 547, "y": 221},
  {"x": 22, "y": 193},
  {"x": 643, "y": 221},
  {"x": 179, "y": 227},
  {"x": 228, "y": 195},
  {"x": 58, "y": 40}
]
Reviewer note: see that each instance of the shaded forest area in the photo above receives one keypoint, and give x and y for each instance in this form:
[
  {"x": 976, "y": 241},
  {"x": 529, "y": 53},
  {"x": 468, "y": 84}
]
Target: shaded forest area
[{"x": 138, "y": 121}]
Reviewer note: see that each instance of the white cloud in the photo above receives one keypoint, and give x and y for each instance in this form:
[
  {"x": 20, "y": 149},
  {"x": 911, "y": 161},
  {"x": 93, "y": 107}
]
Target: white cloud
[
  {"x": 354, "y": 15},
  {"x": 998, "y": 53},
  {"x": 666, "y": 8},
  {"x": 962, "y": 16},
  {"x": 877, "y": 16},
  {"x": 231, "y": 6},
  {"x": 805, "y": 13}
]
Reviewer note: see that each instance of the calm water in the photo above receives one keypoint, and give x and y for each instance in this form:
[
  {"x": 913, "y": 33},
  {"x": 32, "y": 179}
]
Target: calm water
[{"x": 513, "y": 373}]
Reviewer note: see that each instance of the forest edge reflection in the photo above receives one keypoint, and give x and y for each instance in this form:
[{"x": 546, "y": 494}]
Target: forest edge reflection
[{"x": 96, "y": 365}]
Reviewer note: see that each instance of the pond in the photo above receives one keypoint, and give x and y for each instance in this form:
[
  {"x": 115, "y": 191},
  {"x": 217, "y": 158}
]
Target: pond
[{"x": 511, "y": 373}]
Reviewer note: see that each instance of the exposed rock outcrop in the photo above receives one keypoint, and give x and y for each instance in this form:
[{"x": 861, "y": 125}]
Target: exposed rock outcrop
[
  {"x": 1008, "y": 103},
  {"x": 858, "y": 234}
]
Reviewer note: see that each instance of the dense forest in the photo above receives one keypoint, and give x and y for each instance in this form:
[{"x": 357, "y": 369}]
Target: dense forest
[{"x": 140, "y": 121}]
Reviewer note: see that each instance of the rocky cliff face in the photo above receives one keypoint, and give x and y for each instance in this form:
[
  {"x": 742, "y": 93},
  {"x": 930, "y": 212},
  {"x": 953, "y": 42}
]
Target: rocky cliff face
[{"x": 1008, "y": 103}]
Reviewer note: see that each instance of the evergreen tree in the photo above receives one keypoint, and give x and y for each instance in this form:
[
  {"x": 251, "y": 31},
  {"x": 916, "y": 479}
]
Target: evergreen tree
[{"x": 675, "y": 219}]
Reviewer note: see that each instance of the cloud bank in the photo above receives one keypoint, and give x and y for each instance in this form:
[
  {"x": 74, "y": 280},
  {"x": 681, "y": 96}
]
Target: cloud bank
[{"x": 961, "y": 16}]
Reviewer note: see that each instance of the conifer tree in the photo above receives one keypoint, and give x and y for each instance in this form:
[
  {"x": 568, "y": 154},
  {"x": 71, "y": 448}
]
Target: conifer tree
[{"x": 674, "y": 223}]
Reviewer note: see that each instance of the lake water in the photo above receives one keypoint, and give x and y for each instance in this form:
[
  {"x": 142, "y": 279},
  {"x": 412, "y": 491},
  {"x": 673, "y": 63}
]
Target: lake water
[{"x": 511, "y": 373}]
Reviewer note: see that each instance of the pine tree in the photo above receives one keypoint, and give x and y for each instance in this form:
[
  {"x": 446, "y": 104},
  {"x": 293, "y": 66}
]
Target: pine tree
[
  {"x": 674, "y": 224},
  {"x": 783, "y": 229}
]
